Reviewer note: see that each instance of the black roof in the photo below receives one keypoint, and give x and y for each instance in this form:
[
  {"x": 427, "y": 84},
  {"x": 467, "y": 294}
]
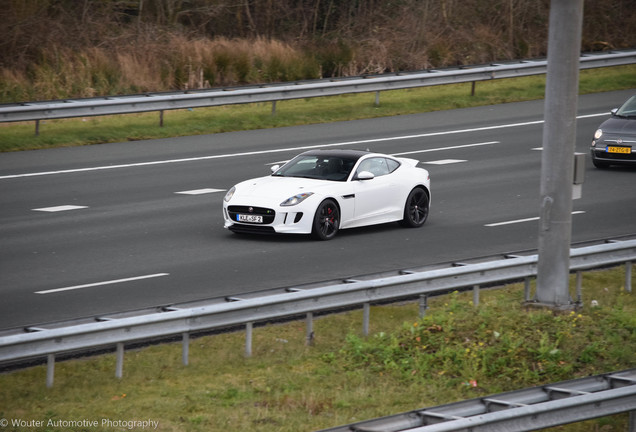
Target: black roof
[{"x": 344, "y": 153}]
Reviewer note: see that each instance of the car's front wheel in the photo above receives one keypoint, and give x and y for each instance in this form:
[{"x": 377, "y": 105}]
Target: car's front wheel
[
  {"x": 416, "y": 208},
  {"x": 326, "y": 220}
]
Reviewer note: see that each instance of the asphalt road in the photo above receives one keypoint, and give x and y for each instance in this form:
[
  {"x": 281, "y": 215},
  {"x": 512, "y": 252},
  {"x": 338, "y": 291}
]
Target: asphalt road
[{"x": 100, "y": 229}]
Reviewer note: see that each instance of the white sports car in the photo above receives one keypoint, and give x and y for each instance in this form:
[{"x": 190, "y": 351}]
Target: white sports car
[{"x": 321, "y": 191}]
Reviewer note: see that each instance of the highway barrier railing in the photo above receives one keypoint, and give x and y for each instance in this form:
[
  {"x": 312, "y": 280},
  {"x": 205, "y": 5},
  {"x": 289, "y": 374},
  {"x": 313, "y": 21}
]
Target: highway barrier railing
[
  {"x": 174, "y": 322},
  {"x": 520, "y": 410},
  {"x": 110, "y": 105}
]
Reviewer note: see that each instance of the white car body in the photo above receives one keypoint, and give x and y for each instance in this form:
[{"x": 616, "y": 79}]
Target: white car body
[{"x": 362, "y": 198}]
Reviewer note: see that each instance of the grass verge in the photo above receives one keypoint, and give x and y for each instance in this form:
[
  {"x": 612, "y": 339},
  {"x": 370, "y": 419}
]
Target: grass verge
[
  {"x": 132, "y": 127},
  {"x": 456, "y": 352}
]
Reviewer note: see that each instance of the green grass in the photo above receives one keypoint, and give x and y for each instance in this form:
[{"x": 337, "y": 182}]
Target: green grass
[
  {"x": 456, "y": 352},
  {"x": 132, "y": 127}
]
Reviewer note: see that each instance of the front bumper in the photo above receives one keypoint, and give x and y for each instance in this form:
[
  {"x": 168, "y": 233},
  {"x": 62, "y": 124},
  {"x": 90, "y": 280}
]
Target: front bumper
[
  {"x": 600, "y": 152},
  {"x": 284, "y": 220}
]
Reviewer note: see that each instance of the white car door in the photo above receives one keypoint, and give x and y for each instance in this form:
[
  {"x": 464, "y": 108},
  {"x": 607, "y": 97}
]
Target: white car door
[{"x": 375, "y": 198}]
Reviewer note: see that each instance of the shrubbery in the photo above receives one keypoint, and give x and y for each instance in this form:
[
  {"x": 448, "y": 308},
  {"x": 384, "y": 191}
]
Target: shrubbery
[
  {"x": 53, "y": 49},
  {"x": 464, "y": 346}
]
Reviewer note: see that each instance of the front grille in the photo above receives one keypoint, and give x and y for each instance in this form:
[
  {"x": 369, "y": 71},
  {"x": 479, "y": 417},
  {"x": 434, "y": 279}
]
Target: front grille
[
  {"x": 618, "y": 156},
  {"x": 251, "y": 229},
  {"x": 268, "y": 214}
]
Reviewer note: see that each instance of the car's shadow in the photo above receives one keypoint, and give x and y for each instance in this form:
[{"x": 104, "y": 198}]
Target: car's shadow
[
  {"x": 617, "y": 168},
  {"x": 306, "y": 238}
]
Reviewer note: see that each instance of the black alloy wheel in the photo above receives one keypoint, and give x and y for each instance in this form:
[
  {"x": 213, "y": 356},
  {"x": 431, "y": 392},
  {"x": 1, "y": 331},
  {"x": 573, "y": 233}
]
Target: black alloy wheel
[
  {"x": 416, "y": 208},
  {"x": 326, "y": 220}
]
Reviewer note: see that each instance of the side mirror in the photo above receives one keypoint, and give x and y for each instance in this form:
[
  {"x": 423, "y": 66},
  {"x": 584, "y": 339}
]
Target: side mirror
[
  {"x": 275, "y": 168},
  {"x": 613, "y": 112},
  {"x": 365, "y": 175}
]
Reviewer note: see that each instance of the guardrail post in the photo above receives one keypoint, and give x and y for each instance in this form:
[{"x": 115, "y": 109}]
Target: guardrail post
[
  {"x": 526, "y": 289},
  {"x": 273, "y": 108},
  {"x": 366, "y": 312},
  {"x": 579, "y": 291},
  {"x": 248, "y": 339},
  {"x": 423, "y": 304},
  {"x": 377, "y": 98},
  {"x": 628, "y": 276},
  {"x": 632, "y": 422},
  {"x": 37, "y": 128},
  {"x": 185, "y": 349},
  {"x": 119, "y": 368},
  {"x": 161, "y": 118},
  {"x": 50, "y": 370},
  {"x": 476, "y": 295},
  {"x": 309, "y": 338},
  {"x": 472, "y": 89}
]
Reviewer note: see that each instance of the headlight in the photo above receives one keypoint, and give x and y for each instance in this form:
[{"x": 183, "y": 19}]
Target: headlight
[
  {"x": 229, "y": 194},
  {"x": 598, "y": 134},
  {"x": 296, "y": 199}
]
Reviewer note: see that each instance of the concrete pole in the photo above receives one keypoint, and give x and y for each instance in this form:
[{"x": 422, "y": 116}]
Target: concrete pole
[{"x": 557, "y": 163}]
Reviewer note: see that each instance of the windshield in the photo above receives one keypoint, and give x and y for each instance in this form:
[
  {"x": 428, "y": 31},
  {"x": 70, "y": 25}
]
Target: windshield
[
  {"x": 628, "y": 109},
  {"x": 322, "y": 167}
]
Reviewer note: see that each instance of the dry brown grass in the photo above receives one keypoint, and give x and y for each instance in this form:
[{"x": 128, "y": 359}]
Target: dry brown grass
[{"x": 64, "y": 49}]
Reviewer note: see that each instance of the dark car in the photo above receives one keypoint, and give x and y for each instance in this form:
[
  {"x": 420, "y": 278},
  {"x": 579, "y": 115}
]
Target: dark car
[{"x": 614, "y": 141}]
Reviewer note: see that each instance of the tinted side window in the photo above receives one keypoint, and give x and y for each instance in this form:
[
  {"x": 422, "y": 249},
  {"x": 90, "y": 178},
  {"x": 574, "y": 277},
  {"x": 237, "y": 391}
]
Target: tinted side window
[
  {"x": 393, "y": 165},
  {"x": 376, "y": 166}
]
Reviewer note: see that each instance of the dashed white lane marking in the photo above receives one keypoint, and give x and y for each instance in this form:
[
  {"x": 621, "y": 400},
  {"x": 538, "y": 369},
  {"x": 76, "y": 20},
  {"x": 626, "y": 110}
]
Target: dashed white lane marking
[
  {"x": 111, "y": 282},
  {"x": 60, "y": 208},
  {"x": 445, "y": 161},
  {"x": 523, "y": 220},
  {"x": 200, "y": 191}
]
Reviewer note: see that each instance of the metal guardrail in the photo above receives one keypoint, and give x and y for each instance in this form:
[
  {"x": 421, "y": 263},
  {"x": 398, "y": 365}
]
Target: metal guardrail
[
  {"x": 521, "y": 410},
  {"x": 116, "y": 332},
  {"x": 44, "y": 110}
]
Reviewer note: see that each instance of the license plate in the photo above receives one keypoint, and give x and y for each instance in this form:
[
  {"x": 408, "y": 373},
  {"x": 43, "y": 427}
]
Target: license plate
[
  {"x": 624, "y": 150},
  {"x": 249, "y": 218}
]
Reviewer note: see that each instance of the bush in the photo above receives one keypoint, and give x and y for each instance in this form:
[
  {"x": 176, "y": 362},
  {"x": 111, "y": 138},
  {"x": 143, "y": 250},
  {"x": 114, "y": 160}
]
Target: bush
[{"x": 55, "y": 49}]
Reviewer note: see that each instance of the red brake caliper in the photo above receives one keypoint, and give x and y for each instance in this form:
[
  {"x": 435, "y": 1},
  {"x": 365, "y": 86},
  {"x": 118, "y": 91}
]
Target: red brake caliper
[{"x": 329, "y": 217}]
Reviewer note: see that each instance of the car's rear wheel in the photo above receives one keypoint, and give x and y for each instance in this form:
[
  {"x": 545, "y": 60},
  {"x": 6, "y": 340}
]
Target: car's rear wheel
[
  {"x": 326, "y": 220},
  {"x": 416, "y": 208}
]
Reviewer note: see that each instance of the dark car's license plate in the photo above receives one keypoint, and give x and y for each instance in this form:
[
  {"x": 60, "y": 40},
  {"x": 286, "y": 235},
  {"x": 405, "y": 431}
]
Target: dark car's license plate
[
  {"x": 624, "y": 150},
  {"x": 249, "y": 218}
]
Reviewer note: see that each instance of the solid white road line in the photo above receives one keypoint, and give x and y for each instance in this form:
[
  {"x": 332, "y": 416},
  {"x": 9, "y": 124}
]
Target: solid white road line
[
  {"x": 102, "y": 283},
  {"x": 447, "y": 148},
  {"x": 523, "y": 220},
  {"x": 278, "y": 163},
  {"x": 223, "y": 156},
  {"x": 60, "y": 208}
]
